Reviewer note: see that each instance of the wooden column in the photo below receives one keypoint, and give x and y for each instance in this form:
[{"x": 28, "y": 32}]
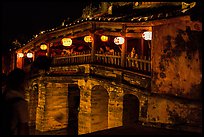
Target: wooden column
[
  {"x": 93, "y": 47},
  {"x": 142, "y": 48},
  {"x": 33, "y": 55},
  {"x": 48, "y": 49},
  {"x": 124, "y": 47}
]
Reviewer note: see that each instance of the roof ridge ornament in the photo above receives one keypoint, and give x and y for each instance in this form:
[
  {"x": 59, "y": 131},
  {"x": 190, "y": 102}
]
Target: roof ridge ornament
[{"x": 186, "y": 6}]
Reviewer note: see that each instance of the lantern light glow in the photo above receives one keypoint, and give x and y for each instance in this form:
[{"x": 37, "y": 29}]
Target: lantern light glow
[
  {"x": 43, "y": 46},
  {"x": 88, "y": 39},
  {"x": 147, "y": 35},
  {"x": 119, "y": 40},
  {"x": 66, "y": 42},
  {"x": 20, "y": 55},
  {"x": 104, "y": 38},
  {"x": 29, "y": 55}
]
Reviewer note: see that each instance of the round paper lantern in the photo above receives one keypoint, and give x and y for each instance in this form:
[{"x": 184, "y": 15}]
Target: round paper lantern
[
  {"x": 43, "y": 46},
  {"x": 66, "y": 42},
  {"x": 20, "y": 55},
  {"x": 119, "y": 40},
  {"x": 29, "y": 55},
  {"x": 104, "y": 38},
  {"x": 88, "y": 39}
]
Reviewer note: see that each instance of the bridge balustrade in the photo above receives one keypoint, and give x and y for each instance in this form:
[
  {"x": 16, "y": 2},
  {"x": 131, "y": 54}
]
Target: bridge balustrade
[
  {"x": 142, "y": 64},
  {"x": 78, "y": 58},
  {"x": 137, "y": 63},
  {"x": 108, "y": 59}
]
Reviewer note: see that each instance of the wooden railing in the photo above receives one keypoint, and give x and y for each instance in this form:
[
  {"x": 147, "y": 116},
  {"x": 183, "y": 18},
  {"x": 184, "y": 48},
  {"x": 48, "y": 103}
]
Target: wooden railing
[
  {"x": 109, "y": 59},
  {"x": 79, "y": 58},
  {"x": 140, "y": 64}
]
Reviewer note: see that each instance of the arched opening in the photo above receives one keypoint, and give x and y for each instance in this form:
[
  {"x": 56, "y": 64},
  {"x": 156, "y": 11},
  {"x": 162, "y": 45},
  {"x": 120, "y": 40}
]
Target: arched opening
[
  {"x": 130, "y": 110},
  {"x": 99, "y": 108},
  {"x": 73, "y": 108}
]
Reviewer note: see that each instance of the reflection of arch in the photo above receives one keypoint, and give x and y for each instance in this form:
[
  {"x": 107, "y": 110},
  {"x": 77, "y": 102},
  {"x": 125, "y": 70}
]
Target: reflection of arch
[
  {"x": 130, "y": 110},
  {"x": 99, "y": 108},
  {"x": 73, "y": 108}
]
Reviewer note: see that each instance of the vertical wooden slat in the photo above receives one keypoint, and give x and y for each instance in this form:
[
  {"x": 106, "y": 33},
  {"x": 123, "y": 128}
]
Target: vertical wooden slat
[
  {"x": 145, "y": 64},
  {"x": 136, "y": 62}
]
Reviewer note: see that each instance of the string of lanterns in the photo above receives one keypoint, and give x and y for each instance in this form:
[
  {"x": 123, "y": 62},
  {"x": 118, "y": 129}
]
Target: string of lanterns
[
  {"x": 68, "y": 42},
  {"x": 28, "y": 55}
]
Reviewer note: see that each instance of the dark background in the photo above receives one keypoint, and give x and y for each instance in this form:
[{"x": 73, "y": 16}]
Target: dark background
[{"x": 23, "y": 19}]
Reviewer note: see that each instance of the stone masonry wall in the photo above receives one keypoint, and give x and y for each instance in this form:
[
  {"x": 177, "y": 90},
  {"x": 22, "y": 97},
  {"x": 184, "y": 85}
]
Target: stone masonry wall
[
  {"x": 176, "y": 74},
  {"x": 177, "y": 59}
]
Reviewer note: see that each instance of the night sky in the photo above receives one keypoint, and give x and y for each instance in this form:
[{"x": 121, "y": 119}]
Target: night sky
[{"x": 21, "y": 20}]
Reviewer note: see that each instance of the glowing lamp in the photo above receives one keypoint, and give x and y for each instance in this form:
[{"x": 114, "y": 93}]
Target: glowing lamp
[
  {"x": 43, "y": 46},
  {"x": 29, "y": 55},
  {"x": 66, "y": 42},
  {"x": 147, "y": 35},
  {"x": 20, "y": 55},
  {"x": 119, "y": 40},
  {"x": 104, "y": 38},
  {"x": 88, "y": 39}
]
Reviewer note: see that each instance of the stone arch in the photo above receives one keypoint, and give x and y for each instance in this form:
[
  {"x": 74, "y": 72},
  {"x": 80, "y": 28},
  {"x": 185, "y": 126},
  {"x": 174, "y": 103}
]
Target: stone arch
[
  {"x": 130, "y": 110},
  {"x": 99, "y": 108},
  {"x": 73, "y": 108}
]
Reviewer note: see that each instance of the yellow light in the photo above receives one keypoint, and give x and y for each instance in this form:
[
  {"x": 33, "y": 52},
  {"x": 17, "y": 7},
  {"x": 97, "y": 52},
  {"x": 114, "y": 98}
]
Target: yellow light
[
  {"x": 119, "y": 40},
  {"x": 88, "y": 39},
  {"x": 66, "y": 42},
  {"x": 43, "y": 46},
  {"x": 29, "y": 55},
  {"x": 20, "y": 55},
  {"x": 104, "y": 38}
]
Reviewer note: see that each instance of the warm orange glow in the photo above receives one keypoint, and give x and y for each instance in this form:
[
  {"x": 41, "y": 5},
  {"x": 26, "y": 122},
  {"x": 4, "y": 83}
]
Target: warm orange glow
[
  {"x": 29, "y": 55},
  {"x": 66, "y": 42},
  {"x": 20, "y": 55},
  {"x": 88, "y": 39},
  {"x": 119, "y": 40},
  {"x": 43, "y": 46},
  {"x": 104, "y": 38}
]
